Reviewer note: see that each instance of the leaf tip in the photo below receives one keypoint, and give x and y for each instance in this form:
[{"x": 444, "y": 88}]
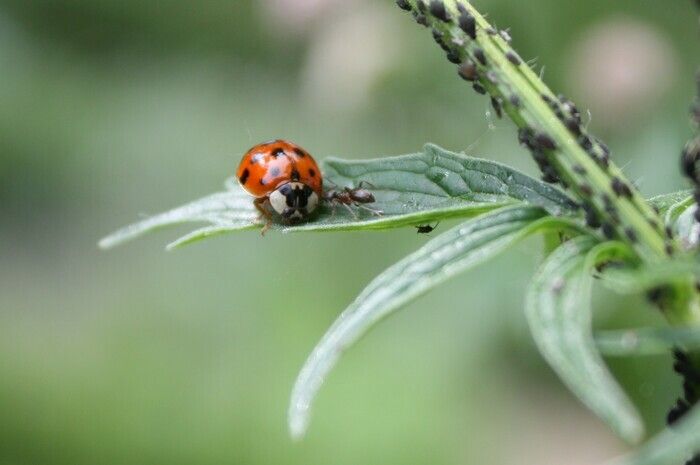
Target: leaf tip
[{"x": 298, "y": 420}]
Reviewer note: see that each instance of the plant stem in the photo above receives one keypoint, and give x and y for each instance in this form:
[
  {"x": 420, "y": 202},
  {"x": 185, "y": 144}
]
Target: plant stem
[{"x": 550, "y": 126}]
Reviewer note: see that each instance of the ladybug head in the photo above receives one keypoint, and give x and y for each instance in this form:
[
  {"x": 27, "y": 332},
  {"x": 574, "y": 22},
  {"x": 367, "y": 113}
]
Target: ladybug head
[{"x": 294, "y": 201}]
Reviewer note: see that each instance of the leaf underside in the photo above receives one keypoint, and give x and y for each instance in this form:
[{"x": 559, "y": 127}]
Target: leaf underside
[
  {"x": 558, "y": 310},
  {"x": 452, "y": 252},
  {"x": 409, "y": 189}
]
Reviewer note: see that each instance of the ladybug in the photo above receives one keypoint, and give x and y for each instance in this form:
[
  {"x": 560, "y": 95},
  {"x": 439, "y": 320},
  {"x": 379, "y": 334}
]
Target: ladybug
[{"x": 285, "y": 177}]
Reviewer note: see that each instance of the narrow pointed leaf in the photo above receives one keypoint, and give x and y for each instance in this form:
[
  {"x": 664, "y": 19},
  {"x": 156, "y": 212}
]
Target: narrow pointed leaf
[
  {"x": 672, "y": 446},
  {"x": 665, "y": 202},
  {"x": 409, "y": 189},
  {"x": 558, "y": 310},
  {"x": 452, "y": 252},
  {"x": 646, "y": 277}
]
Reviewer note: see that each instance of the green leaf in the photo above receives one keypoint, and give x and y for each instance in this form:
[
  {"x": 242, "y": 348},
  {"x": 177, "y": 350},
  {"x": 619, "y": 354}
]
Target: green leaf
[
  {"x": 558, "y": 310},
  {"x": 646, "y": 341},
  {"x": 452, "y": 252},
  {"x": 672, "y": 446},
  {"x": 665, "y": 202},
  {"x": 646, "y": 277},
  {"x": 410, "y": 189}
]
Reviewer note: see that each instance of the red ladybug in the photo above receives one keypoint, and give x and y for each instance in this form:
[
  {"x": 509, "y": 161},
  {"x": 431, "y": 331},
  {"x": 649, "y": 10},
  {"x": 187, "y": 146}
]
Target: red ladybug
[{"x": 284, "y": 176}]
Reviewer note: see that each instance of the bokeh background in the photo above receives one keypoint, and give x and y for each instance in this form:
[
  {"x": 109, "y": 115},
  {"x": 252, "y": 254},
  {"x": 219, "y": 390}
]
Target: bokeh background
[{"x": 114, "y": 109}]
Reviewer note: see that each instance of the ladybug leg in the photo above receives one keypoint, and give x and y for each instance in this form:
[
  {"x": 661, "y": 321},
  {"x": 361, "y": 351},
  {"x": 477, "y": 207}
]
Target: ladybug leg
[{"x": 260, "y": 206}]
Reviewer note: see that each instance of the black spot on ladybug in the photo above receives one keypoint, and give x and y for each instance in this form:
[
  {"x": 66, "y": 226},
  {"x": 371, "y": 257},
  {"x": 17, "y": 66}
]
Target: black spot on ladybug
[
  {"x": 300, "y": 153},
  {"x": 244, "y": 176},
  {"x": 312, "y": 172},
  {"x": 295, "y": 175},
  {"x": 437, "y": 9},
  {"x": 513, "y": 58},
  {"x": 274, "y": 171},
  {"x": 277, "y": 152}
]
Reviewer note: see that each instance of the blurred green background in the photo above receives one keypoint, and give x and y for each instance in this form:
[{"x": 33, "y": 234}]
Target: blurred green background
[{"x": 113, "y": 109}]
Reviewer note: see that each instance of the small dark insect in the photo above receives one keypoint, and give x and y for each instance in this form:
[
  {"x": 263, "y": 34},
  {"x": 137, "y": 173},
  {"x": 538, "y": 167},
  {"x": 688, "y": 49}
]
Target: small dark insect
[
  {"x": 620, "y": 188},
  {"x": 544, "y": 141},
  {"x": 437, "y": 9},
  {"x": 420, "y": 18},
  {"x": 515, "y": 101},
  {"x": 468, "y": 24},
  {"x": 579, "y": 169},
  {"x": 426, "y": 228},
  {"x": 479, "y": 54},
  {"x": 585, "y": 142},
  {"x": 586, "y": 189},
  {"x": 453, "y": 57},
  {"x": 573, "y": 126},
  {"x": 403, "y": 4},
  {"x": 351, "y": 196},
  {"x": 631, "y": 235},
  {"x": 479, "y": 88},
  {"x": 669, "y": 249},
  {"x": 608, "y": 230},
  {"x": 513, "y": 57},
  {"x": 437, "y": 35},
  {"x": 496, "y": 104},
  {"x": 421, "y": 6},
  {"x": 468, "y": 71}
]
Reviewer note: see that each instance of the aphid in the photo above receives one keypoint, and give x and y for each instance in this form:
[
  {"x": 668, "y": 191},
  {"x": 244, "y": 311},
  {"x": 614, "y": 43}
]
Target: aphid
[
  {"x": 505, "y": 35},
  {"x": 467, "y": 71},
  {"x": 496, "y": 104},
  {"x": 515, "y": 101},
  {"x": 586, "y": 189},
  {"x": 549, "y": 175},
  {"x": 631, "y": 235},
  {"x": 608, "y": 230},
  {"x": 668, "y": 248},
  {"x": 479, "y": 88},
  {"x": 579, "y": 169},
  {"x": 513, "y": 57},
  {"x": 437, "y": 9},
  {"x": 585, "y": 142},
  {"x": 351, "y": 196},
  {"x": 404, "y": 5},
  {"x": 620, "y": 188},
  {"x": 479, "y": 54},
  {"x": 426, "y": 228},
  {"x": 283, "y": 176},
  {"x": 544, "y": 141},
  {"x": 420, "y": 18},
  {"x": 421, "y": 6},
  {"x": 453, "y": 57},
  {"x": 572, "y": 125},
  {"x": 437, "y": 35},
  {"x": 592, "y": 219},
  {"x": 467, "y": 23}
]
